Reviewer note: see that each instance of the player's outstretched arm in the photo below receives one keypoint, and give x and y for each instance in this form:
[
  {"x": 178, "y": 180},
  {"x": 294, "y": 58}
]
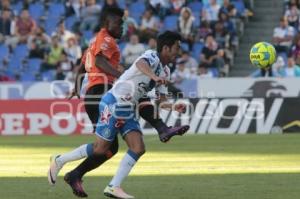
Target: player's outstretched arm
[
  {"x": 103, "y": 64},
  {"x": 144, "y": 67}
]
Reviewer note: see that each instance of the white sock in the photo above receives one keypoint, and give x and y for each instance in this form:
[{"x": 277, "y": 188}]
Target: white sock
[
  {"x": 124, "y": 169},
  {"x": 76, "y": 154}
]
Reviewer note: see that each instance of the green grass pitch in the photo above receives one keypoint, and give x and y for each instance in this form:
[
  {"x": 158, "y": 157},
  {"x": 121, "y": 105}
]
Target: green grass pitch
[{"x": 188, "y": 167}]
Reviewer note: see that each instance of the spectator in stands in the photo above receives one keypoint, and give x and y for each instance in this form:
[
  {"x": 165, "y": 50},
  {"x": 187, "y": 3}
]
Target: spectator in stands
[
  {"x": 54, "y": 56},
  {"x": 73, "y": 50},
  {"x": 181, "y": 72},
  {"x": 230, "y": 29},
  {"x": 63, "y": 34},
  {"x": 5, "y": 25},
  {"x": 203, "y": 31},
  {"x": 283, "y": 36},
  {"x": 291, "y": 70},
  {"x": 132, "y": 50},
  {"x": 65, "y": 66},
  {"x": 221, "y": 35},
  {"x": 210, "y": 12},
  {"x": 203, "y": 72},
  {"x": 130, "y": 25},
  {"x": 110, "y": 4},
  {"x": 177, "y": 5},
  {"x": 5, "y": 5},
  {"x": 295, "y": 49},
  {"x": 212, "y": 56},
  {"x": 186, "y": 27},
  {"x": 25, "y": 26},
  {"x": 89, "y": 15},
  {"x": 74, "y": 7},
  {"x": 160, "y": 7},
  {"x": 225, "y": 8},
  {"x": 152, "y": 44},
  {"x": 149, "y": 26},
  {"x": 278, "y": 66},
  {"x": 38, "y": 43},
  {"x": 292, "y": 15},
  {"x": 189, "y": 62}
]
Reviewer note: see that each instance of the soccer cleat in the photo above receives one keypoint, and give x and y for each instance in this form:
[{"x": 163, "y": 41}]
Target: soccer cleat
[
  {"x": 53, "y": 170},
  {"x": 116, "y": 192},
  {"x": 169, "y": 132},
  {"x": 76, "y": 185}
]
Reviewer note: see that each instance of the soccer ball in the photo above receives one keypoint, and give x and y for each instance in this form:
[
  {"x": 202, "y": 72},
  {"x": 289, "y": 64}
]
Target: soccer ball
[{"x": 262, "y": 55}]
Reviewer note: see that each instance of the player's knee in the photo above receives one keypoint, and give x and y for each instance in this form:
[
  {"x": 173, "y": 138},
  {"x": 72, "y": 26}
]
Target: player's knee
[
  {"x": 112, "y": 151},
  {"x": 140, "y": 150},
  {"x": 100, "y": 149}
]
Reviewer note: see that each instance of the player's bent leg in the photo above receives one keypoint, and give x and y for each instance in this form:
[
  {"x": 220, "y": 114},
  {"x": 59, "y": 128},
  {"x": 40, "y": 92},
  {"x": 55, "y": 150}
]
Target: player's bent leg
[
  {"x": 100, "y": 148},
  {"x": 58, "y": 161},
  {"x": 147, "y": 112},
  {"x": 94, "y": 161},
  {"x": 136, "y": 149}
]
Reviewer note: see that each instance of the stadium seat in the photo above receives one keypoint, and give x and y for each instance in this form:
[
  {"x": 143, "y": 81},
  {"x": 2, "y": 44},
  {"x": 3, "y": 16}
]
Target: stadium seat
[
  {"x": 195, "y": 6},
  {"x": 184, "y": 46},
  {"x": 170, "y": 22},
  {"x": 49, "y": 75},
  {"x": 121, "y": 45},
  {"x": 240, "y": 6},
  {"x": 88, "y": 34},
  {"x": 197, "y": 21},
  {"x": 56, "y": 10},
  {"x": 205, "y": 2},
  {"x": 197, "y": 49},
  {"x": 70, "y": 22},
  {"x": 214, "y": 71},
  {"x": 21, "y": 51},
  {"x": 36, "y": 10},
  {"x": 122, "y": 4},
  {"x": 51, "y": 24},
  {"x": 4, "y": 52},
  {"x": 137, "y": 9},
  {"x": 34, "y": 65},
  {"x": 27, "y": 77},
  {"x": 17, "y": 7},
  {"x": 15, "y": 65}
]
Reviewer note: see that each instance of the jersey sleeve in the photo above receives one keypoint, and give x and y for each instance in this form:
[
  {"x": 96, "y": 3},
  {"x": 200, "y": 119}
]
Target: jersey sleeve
[
  {"x": 105, "y": 46},
  {"x": 151, "y": 58}
]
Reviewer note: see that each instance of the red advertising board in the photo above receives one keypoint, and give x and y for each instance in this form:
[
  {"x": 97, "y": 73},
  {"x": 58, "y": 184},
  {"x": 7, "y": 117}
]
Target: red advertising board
[{"x": 43, "y": 117}]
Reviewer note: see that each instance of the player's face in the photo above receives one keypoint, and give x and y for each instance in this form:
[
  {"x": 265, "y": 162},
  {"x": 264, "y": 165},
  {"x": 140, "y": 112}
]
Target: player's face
[
  {"x": 174, "y": 51},
  {"x": 115, "y": 27}
]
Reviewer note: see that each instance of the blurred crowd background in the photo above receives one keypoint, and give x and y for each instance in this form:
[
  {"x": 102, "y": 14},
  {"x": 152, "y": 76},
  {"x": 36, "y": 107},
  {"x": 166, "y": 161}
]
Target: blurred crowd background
[{"x": 43, "y": 40}]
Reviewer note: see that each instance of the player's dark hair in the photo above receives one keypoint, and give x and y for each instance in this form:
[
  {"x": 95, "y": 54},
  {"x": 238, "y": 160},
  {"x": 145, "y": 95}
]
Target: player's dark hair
[
  {"x": 109, "y": 13},
  {"x": 168, "y": 38}
]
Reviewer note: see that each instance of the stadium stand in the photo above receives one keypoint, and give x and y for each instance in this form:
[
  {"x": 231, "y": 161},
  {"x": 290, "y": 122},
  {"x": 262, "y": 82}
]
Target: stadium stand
[
  {"x": 18, "y": 40},
  {"x": 283, "y": 32}
]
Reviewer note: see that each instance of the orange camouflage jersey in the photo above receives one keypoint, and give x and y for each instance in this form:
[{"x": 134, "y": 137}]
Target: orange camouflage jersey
[{"x": 105, "y": 45}]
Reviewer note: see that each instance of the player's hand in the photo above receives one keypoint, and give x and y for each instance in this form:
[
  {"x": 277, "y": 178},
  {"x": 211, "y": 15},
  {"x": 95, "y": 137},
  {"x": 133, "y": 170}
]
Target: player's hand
[
  {"x": 160, "y": 80},
  {"x": 181, "y": 108},
  {"x": 73, "y": 94}
]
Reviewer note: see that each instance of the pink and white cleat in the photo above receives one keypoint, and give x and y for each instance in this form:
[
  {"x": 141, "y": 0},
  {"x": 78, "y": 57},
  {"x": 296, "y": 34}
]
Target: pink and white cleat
[
  {"x": 116, "y": 192},
  {"x": 53, "y": 170}
]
